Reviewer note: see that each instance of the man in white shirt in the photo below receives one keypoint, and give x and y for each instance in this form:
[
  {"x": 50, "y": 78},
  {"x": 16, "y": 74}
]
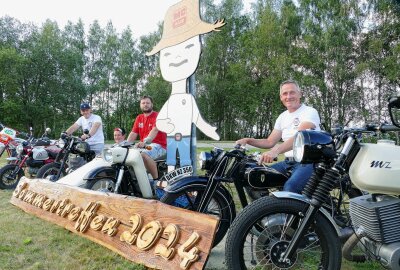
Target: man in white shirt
[
  {"x": 93, "y": 123},
  {"x": 297, "y": 117}
]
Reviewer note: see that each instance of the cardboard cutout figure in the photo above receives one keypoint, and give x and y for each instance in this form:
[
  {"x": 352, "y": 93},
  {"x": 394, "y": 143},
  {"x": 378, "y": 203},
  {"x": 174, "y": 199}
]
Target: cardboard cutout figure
[{"x": 180, "y": 50}]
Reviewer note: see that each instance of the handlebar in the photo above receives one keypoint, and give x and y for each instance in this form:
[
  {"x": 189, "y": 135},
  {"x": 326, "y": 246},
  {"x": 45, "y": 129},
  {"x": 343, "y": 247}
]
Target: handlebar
[{"x": 382, "y": 128}]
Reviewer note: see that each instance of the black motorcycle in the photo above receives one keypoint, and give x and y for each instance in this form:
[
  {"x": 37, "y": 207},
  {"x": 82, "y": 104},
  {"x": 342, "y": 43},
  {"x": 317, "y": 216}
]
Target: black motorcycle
[
  {"x": 75, "y": 153},
  {"x": 212, "y": 193}
]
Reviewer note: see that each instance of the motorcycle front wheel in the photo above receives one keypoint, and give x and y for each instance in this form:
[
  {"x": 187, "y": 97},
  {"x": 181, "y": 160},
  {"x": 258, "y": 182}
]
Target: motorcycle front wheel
[
  {"x": 10, "y": 175},
  {"x": 102, "y": 184},
  {"x": 220, "y": 205},
  {"x": 261, "y": 233},
  {"x": 50, "y": 171}
]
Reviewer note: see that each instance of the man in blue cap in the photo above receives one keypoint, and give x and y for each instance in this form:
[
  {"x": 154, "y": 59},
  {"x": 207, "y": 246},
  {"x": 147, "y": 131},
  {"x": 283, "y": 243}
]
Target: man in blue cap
[{"x": 93, "y": 123}]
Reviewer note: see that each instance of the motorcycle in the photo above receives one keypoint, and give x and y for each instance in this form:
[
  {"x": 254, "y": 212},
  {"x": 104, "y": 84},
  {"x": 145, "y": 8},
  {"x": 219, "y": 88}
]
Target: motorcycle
[
  {"x": 74, "y": 153},
  {"x": 127, "y": 174},
  {"x": 120, "y": 170},
  {"x": 31, "y": 154},
  {"x": 208, "y": 194},
  {"x": 287, "y": 230}
]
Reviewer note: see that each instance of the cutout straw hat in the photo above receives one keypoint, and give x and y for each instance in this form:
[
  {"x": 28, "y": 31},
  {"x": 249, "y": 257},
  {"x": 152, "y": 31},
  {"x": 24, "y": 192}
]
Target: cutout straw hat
[{"x": 182, "y": 21}]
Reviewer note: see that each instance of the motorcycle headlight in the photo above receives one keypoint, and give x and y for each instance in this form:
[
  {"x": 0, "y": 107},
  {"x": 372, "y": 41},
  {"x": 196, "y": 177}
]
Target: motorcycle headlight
[
  {"x": 107, "y": 155},
  {"x": 19, "y": 149},
  {"x": 312, "y": 146},
  {"x": 61, "y": 143}
]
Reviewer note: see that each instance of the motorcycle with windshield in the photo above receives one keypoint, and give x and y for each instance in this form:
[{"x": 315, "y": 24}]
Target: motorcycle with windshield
[
  {"x": 74, "y": 153},
  {"x": 293, "y": 231},
  {"x": 212, "y": 193}
]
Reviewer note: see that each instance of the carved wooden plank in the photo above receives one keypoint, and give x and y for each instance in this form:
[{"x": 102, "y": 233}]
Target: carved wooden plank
[{"x": 144, "y": 231}]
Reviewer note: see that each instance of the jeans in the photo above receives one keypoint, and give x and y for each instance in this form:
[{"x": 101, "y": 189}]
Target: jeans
[
  {"x": 299, "y": 177},
  {"x": 183, "y": 147}
]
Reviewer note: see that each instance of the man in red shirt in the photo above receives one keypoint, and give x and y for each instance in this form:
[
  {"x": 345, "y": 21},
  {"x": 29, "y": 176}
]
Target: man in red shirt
[{"x": 145, "y": 127}]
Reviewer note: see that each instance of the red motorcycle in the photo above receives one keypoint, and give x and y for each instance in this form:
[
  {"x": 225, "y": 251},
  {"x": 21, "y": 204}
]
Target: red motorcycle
[{"x": 31, "y": 155}]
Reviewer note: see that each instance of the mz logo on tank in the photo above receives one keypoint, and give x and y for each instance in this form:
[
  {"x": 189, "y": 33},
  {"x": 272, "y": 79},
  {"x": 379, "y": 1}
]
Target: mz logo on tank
[{"x": 380, "y": 164}]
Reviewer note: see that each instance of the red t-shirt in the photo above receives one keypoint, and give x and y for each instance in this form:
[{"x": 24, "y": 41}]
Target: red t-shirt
[{"x": 144, "y": 124}]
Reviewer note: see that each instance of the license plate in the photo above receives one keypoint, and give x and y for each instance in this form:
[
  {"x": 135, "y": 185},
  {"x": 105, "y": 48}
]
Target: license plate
[{"x": 178, "y": 173}]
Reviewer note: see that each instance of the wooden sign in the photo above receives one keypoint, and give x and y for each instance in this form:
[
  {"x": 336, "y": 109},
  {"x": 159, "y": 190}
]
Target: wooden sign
[{"x": 144, "y": 231}]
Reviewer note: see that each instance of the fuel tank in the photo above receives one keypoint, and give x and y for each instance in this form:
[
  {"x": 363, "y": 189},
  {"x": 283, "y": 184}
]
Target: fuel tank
[{"x": 376, "y": 168}]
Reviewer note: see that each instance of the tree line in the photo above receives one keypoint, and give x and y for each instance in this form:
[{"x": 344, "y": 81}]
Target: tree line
[{"x": 345, "y": 54}]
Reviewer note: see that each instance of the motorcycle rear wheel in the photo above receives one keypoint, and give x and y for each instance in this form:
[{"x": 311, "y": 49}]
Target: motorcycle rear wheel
[
  {"x": 49, "y": 171},
  {"x": 261, "y": 233},
  {"x": 221, "y": 205},
  {"x": 6, "y": 180}
]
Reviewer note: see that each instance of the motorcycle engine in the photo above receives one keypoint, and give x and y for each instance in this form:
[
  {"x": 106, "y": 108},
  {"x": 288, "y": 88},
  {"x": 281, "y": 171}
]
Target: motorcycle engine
[{"x": 377, "y": 218}]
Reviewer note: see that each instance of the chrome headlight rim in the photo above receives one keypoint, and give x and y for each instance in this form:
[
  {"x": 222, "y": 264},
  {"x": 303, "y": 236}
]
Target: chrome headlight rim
[
  {"x": 107, "y": 155},
  {"x": 298, "y": 147}
]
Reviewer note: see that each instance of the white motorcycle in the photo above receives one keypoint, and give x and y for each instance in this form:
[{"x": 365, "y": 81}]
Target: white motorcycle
[
  {"x": 288, "y": 230},
  {"x": 120, "y": 170}
]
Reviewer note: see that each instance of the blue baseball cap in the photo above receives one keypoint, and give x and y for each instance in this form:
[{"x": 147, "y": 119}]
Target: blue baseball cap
[{"x": 85, "y": 106}]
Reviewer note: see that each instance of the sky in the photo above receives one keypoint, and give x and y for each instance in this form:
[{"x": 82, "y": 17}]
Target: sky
[{"x": 141, "y": 15}]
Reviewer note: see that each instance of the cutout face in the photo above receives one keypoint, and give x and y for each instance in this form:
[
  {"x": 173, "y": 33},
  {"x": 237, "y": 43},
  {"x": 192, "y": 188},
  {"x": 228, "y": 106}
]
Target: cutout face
[{"x": 180, "y": 61}]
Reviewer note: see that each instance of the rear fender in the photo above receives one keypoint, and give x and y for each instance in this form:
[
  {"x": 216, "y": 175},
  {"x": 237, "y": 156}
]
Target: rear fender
[{"x": 299, "y": 197}]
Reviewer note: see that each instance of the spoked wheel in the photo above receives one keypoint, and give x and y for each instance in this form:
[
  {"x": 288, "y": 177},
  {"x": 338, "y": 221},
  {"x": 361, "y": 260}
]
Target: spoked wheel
[
  {"x": 103, "y": 184},
  {"x": 220, "y": 205},
  {"x": 10, "y": 175},
  {"x": 261, "y": 233},
  {"x": 50, "y": 171}
]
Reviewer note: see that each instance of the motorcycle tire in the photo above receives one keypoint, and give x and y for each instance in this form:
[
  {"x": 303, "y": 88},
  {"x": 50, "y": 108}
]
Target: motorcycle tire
[
  {"x": 260, "y": 234},
  {"x": 221, "y": 205},
  {"x": 50, "y": 171},
  {"x": 8, "y": 182},
  {"x": 102, "y": 184}
]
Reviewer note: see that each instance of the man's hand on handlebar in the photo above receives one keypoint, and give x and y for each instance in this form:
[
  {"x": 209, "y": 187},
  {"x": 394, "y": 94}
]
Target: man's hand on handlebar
[
  {"x": 268, "y": 157},
  {"x": 143, "y": 145}
]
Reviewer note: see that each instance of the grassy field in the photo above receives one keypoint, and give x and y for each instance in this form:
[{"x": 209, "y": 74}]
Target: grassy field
[{"x": 27, "y": 242}]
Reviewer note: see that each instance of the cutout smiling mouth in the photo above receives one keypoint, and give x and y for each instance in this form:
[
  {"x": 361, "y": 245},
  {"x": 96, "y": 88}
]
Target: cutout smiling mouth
[{"x": 178, "y": 64}]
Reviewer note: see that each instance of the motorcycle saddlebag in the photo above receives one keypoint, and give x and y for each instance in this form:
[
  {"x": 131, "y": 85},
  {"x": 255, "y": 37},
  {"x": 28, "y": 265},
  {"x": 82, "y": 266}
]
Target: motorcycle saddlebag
[{"x": 264, "y": 177}]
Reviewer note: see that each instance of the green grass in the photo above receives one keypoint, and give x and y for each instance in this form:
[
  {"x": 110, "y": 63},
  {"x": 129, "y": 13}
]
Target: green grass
[{"x": 27, "y": 242}]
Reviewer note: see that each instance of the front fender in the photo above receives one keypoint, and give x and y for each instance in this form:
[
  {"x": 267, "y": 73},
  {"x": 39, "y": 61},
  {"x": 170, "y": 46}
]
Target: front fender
[
  {"x": 191, "y": 180},
  {"x": 299, "y": 197},
  {"x": 100, "y": 172}
]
